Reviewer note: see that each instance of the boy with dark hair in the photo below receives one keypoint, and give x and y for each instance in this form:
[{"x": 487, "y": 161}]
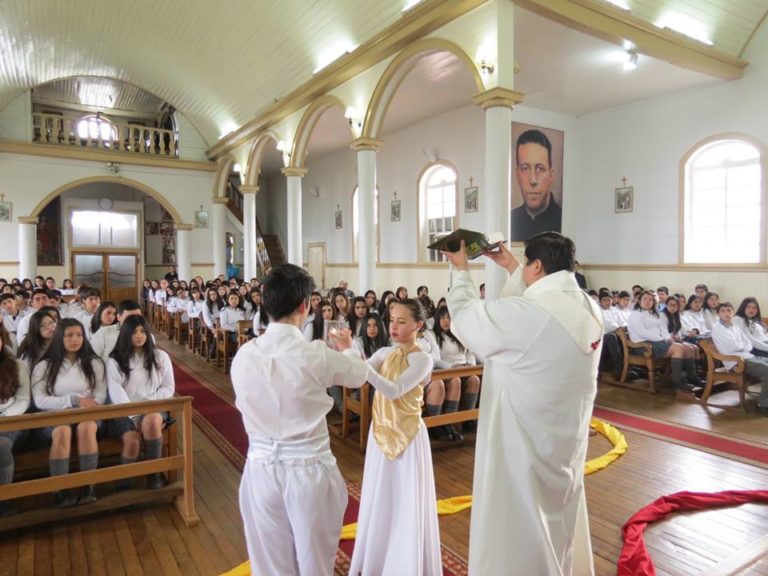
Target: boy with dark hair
[
  {"x": 103, "y": 342},
  {"x": 38, "y": 300},
  {"x": 292, "y": 496}
]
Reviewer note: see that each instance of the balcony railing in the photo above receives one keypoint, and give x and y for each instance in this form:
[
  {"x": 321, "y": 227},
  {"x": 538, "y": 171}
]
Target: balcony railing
[{"x": 55, "y": 129}]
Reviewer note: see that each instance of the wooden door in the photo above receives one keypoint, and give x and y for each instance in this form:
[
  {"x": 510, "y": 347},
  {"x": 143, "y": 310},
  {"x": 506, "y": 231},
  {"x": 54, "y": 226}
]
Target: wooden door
[
  {"x": 316, "y": 263},
  {"x": 115, "y": 274}
]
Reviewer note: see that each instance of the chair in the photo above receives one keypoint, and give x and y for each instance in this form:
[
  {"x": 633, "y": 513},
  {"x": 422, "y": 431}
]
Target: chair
[
  {"x": 360, "y": 406},
  {"x": 718, "y": 375},
  {"x": 180, "y": 329},
  {"x": 225, "y": 349},
  {"x": 242, "y": 332},
  {"x": 193, "y": 334},
  {"x": 645, "y": 360},
  {"x": 206, "y": 341}
]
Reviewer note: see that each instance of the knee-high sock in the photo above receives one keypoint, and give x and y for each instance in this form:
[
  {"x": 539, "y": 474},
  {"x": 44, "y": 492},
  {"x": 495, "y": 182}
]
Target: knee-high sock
[
  {"x": 450, "y": 406},
  {"x": 89, "y": 461},
  {"x": 434, "y": 409},
  {"x": 153, "y": 448},
  {"x": 677, "y": 371},
  {"x": 469, "y": 400},
  {"x": 6, "y": 460},
  {"x": 58, "y": 466}
]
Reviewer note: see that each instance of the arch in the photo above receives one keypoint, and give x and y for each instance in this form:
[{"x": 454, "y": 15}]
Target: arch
[
  {"x": 255, "y": 157},
  {"x": 121, "y": 180},
  {"x": 422, "y": 232},
  {"x": 682, "y": 184},
  {"x": 398, "y": 69},
  {"x": 307, "y": 125},
  {"x": 223, "y": 168}
]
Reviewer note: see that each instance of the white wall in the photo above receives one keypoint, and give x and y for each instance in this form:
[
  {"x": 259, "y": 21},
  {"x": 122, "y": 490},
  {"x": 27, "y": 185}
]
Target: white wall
[{"x": 16, "y": 119}]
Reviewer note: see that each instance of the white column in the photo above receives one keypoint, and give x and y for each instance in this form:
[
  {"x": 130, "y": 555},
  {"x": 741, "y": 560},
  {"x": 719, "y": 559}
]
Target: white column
[
  {"x": 366, "y": 197},
  {"x": 184, "y": 251},
  {"x": 27, "y": 247},
  {"x": 495, "y": 200},
  {"x": 249, "y": 231},
  {"x": 218, "y": 230},
  {"x": 293, "y": 178}
]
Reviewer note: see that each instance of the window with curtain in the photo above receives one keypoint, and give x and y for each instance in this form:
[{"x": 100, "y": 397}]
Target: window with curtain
[
  {"x": 723, "y": 216},
  {"x": 438, "y": 201}
]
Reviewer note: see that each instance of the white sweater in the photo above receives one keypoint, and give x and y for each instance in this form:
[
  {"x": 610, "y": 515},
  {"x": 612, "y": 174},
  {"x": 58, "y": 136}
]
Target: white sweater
[
  {"x": 18, "y": 404},
  {"x": 70, "y": 383},
  {"x": 694, "y": 321},
  {"x": 645, "y": 327},
  {"x": 229, "y": 318},
  {"x": 139, "y": 385},
  {"x": 755, "y": 332}
]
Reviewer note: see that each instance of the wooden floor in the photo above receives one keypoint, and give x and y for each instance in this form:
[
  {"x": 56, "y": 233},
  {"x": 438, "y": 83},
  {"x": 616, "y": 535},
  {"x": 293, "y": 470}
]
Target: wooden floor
[{"x": 153, "y": 540}]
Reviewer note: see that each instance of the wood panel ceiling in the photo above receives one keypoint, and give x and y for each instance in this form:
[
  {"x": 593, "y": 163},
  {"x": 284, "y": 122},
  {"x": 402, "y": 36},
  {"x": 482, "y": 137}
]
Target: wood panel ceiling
[{"x": 223, "y": 63}]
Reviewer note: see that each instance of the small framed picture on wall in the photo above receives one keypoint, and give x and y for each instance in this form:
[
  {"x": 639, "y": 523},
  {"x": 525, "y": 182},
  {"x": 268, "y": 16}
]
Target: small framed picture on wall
[
  {"x": 338, "y": 218},
  {"x": 394, "y": 214},
  {"x": 6, "y": 211},
  {"x": 470, "y": 199},
  {"x": 624, "y": 199}
]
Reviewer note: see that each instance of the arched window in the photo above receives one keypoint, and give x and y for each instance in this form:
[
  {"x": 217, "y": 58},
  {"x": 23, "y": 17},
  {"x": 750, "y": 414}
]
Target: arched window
[
  {"x": 723, "y": 215},
  {"x": 437, "y": 205},
  {"x": 96, "y": 127},
  {"x": 356, "y": 223}
]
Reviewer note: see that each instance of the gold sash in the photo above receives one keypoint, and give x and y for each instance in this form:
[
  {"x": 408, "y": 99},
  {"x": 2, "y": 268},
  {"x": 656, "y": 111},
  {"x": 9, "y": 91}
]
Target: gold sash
[{"x": 396, "y": 422}]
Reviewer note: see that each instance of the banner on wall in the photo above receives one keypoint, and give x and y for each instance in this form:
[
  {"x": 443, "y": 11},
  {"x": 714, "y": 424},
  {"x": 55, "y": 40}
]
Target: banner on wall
[{"x": 537, "y": 181}]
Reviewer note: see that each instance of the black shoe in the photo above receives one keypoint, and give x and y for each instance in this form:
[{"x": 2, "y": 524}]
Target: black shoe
[
  {"x": 156, "y": 481},
  {"x": 87, "y": 495},
  {"x": 123, "y": 485},
  {"x": 469, "y": 427},
  {"x": 684, "y": 387},
  {"x": 456, "y": 436},
  {"x": 65, "y": 499},
  {"x": 441, "y": 433}
]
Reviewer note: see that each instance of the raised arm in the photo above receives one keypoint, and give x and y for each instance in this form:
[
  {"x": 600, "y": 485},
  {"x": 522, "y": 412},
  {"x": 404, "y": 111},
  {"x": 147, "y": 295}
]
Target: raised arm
[{"x": 419, "y": 368}]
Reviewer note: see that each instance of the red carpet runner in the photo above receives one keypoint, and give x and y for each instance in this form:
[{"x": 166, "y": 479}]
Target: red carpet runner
[{"x": 221, "y": 422}]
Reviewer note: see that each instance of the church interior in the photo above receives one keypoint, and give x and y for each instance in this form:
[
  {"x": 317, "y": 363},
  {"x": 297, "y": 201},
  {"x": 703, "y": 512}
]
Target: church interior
[{"x": 345, "y": 136}]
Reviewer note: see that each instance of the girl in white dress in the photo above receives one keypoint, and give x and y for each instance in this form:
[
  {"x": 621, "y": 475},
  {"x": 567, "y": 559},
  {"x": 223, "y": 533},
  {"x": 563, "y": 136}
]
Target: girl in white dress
[{"x": 397, "y": 528}]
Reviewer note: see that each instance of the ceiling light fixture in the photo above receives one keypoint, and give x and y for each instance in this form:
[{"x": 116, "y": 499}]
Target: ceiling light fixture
[
  {"x": 686, "y": 26},
  {"x": 631, "y": 62},
  {"x": 410, "y": 5},
  {"x": 333, "y": 54},
  {"x": 354, "y": 121}
]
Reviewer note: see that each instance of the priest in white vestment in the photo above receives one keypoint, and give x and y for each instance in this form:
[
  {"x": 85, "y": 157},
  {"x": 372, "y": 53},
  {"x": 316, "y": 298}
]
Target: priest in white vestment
[
  {"x": 292, "y": 495},
  {"x": 541, "y": 343}
]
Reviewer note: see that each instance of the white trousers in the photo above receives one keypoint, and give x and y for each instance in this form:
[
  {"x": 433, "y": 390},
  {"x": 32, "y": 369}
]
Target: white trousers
[{"x": 292, "y": 509}]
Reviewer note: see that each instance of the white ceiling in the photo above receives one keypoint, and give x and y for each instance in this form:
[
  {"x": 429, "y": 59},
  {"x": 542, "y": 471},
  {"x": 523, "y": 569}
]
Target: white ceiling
[{"x": 222, "y": 63}]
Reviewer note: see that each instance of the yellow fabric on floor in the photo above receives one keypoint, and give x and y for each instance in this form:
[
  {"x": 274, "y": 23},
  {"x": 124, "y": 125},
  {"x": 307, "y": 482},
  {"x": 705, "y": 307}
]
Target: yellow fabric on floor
[{"x": 458, "y": 503}]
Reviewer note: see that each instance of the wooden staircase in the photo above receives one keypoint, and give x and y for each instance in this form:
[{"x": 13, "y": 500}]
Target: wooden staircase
[{"x": 268, "y": 245}]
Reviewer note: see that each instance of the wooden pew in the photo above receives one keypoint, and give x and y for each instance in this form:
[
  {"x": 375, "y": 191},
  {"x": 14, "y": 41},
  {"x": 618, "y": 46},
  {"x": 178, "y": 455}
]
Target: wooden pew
[
  {"x": 645, "y": 360},
  {"x": 717, "y": 374},
  {"x": 182, "y": 491},
  {"x": 362, "y": 406}
]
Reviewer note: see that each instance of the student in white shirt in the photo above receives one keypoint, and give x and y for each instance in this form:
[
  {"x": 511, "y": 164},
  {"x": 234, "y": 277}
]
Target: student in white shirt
[
  {"x": 341, "y": 306},
  {"x": 15, "y": 395},
  {"x": 316, "y": 330},
  {"x": 70, "y": 375},
  {"x": 259, "y": 315},
  {"x": 10, "y": 313},
  {"x": 373, "y": 338},
  {"x": 749, "y": 319},
  {"x": 38, "y": 300},
  {"x": 231, "y": 315},
  {"x": 292, "y": 496},
  {"x": 612, "y": 321},
  {"x": 623, "y": 308},
  {"x": 372, "y": 301},
  {"x": 646, "y": 325},
  {"x": 103, "y": 342},
  {"x": 675, "y": 323},
  {"x": 211, "y": 314},
  {"x": 42, "y": 327},
  {"x": 179, "y": 304},
  {"x": 314, "y": 300},
  {"x": 105, "y": 316},
  {"x": 730, "y": 340},
  {"x": 67, "y": 288},
  {"x": 137, "y": 372},
  {"x": 161, "y": 293},
  {"x": 357, "y": 316},
  {"x": 711, "y": 303},
  {"x": 693, "y": 319},
  {"x": 91, "y": 300}
]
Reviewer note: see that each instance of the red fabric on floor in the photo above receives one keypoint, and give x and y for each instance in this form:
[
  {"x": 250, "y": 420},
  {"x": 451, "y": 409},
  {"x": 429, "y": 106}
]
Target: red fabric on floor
[{"x": 634, "y": 559}]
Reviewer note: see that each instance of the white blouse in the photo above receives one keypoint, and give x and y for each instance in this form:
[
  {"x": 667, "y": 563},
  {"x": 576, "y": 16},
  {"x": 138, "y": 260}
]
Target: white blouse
[
  {"x": 140, "y": 385},
  {"x": 452, "y": 355},
  {"x": 229, "y": 318},
  {"x": 645, "y": 327},
  {"x": 195, "y": 308},
  {"x": 210, "y": 317},
  {"x": 692, "y": 320},
  {"x": 18, "y": 404},
  {"x": 755, "y": 332},
  {"x": 417, "y": 373},
  {"x": 70, "y": 383}
]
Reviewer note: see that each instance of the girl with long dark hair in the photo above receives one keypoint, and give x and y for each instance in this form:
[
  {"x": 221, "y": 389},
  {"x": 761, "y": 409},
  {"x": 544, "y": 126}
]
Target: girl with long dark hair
[
  {"x": 373, "y": 337},
  {"x": 42, "y": 327},
  {"x": 358, "y": 312},
  {"x": 231, "y": 315},
  {"x": 260, "y": 317},
  {"x": 324, "y": 312},
  {"x": 15, "y": 394},
  {"x": 386, "y": 298},
  {"x": 710, "y": 305},
  {"x": 70, "y": 375},
  {"x": 136, "y": 372},
  {"x": 749, "y": 319},
  {"x": 105, "y": 315}
]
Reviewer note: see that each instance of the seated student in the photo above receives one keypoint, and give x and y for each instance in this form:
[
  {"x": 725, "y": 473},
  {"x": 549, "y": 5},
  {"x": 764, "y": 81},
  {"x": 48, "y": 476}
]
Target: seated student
[
  {"x": 357, "y": 316},
  {"x": 386, "y": 299},
  {"x": 70, "y": 375},
  {"x": 675, "y": 324},
  {"x": 663, "y": 293},
  {"x": 701, "y": 291},
  {"x": 103, "y": 342},
  {"x": 9, "y": 340},
  {"x": 259, "y": 315},
  {"x": 611, "y": 322},
  {"x": 749, "y": 319},
  {"x": 231, "y": 315},
  {"x": 372, "y": 301},
  {"x": 429, "y": 309},
  {"x": 91, "y": 300},
  {"x": 42, "y": 327},
  {"x": 594, "y": 295},
  {"x": 341, "y": 306},
  {"x": 15, "y": 394},
  {"x": 681, "y": 299},
  {"x": 314, "y": 300},
  {"x": 38, "y": 300},
  {"x": 211, "y": 315},
  {"x": 453, "y": 354},
  {"x": 316, "y": 330},
  {"x": 709, "y": 307},
  {"x": 105, "y": 316},
  {"x": 374, "y": 336},
  {"x": 693, "y": 319},
  {"x": 195, "y": 304},
  {"x": 161, "y": 292},
  {"x": 10, "y": 313},
  {"x": 645, "y": 325},
  {"x": 732, "y": 341},
  {"x": 623, "y": 308},
  {"x": 136, "y": 372},
  {"x": 401, "y": 293},
  {"x": 636, "y": 291},
  {"x": 179, "y": 304},
  {"x": 67, "y": 288}
]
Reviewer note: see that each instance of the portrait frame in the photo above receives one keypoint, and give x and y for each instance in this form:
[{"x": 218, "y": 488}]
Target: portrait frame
[
  {"x": 49, "y": 236},
  {"x": 6, "y": 211},
  {"x": 338, "y": 219},
  {"x": 201, "y": 219},
  {"x": 624, "y": 199},
  {"x": 521, "y": 228},
  {"x": 471, "y": 199},
  {"x": 395, "y": 211}
]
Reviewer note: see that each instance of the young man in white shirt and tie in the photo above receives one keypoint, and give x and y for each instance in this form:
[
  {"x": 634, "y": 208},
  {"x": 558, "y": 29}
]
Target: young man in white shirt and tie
[{"x": 292, "y": 495}]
